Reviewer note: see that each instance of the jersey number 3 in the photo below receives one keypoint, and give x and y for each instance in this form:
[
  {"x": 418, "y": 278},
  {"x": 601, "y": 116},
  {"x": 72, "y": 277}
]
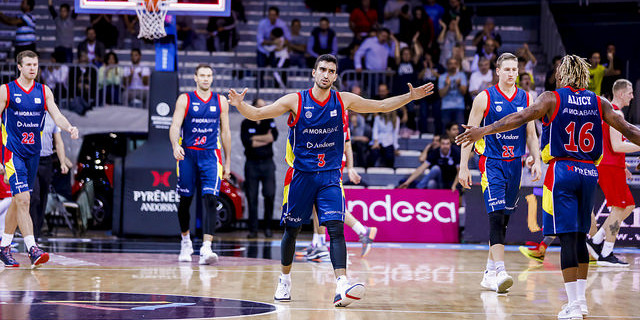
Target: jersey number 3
[
  {"x": 321, "y": 161},
  {"x": 585, "y": 138},
  {"x": 28, "y": 138}
]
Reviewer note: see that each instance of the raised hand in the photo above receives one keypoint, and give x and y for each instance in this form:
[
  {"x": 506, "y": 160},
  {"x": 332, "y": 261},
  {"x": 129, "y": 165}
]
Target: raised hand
[
  {"x": 421, "y": 91},
  {"x": 235, "y": 98}
]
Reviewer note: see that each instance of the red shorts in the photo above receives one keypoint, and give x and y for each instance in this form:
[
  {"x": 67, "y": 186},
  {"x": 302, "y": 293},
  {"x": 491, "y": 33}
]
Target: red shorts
[{"x": 614, "y": 185}]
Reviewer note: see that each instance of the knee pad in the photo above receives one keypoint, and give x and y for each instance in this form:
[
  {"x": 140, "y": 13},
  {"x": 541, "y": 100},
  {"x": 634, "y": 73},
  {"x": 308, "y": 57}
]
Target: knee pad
[
  {"x": 569, "y": 250},
  {"x": 288, "y": 245},
  {"x": 496, "y": 227},
  {"x": 583, "y": 253}
]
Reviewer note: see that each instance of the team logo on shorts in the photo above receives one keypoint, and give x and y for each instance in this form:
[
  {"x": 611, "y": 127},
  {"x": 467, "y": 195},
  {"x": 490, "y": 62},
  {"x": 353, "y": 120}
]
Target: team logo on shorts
[
  {"x": 498, "y": 108},
  {"x": 18, "y": 100},
  {"x": 308, "y": 114}
]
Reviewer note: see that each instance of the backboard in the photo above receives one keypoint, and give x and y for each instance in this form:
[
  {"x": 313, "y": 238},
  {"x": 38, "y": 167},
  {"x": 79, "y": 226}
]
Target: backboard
[{"x": 179, "y": 7}]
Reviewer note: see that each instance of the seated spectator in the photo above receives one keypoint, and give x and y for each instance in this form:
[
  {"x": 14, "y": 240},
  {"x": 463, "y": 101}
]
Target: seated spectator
[
  {"x": 529, "y": 58},
  {"x": 550, "y": 79},
  {"x": 65, "y": 23},
  {"x": 488, "y": 32},
  {"x": 279, "y": 54},
  {"x": 523, "y": 70},
  {"x": 106, "y": 32},
  {"x": 263, "y": 34},
  {"x": 430, "y": 105},
  {"x": 443, "y": 164},
  {"x": 321, "y": 41},
  {"x": 525, "y": 82},
  {"x": 56, "y": 76},
  {"x": 458, "y": 11},
  {"x": 136, "y": 80},
  {"x": 110, "y": 79},
  {"x": 435, "y": 143},
  {"x": 452, "y": 87},
  {"x": 615, "y": 64},
  {"x": 449, "y": 37},
  {"x": 83, "y": 84},
  {"x": 363, "y": 20},
  {"x": 452, "y": 130},
  {"x": 359, "y": 138},
  {"x": 223, "y": 35},
  {"x": 481, "y": 79},
  {"x": 384, "y": 135},
  {"x": 489, "y": 51},
  {"x": 94, "y": 48},
  {"x": 376, "y": 52},
  {"x": 25, "y": 35},
  {"x": 297, "y": 46},
  {"x": 435, "y": 13}
]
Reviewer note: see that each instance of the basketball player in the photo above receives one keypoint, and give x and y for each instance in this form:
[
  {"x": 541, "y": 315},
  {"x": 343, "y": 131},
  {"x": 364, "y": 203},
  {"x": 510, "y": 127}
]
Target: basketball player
[
  {"x": 314, "y": 151},
  {"x": 500, "y": 162},
  {"x": 200, "y": 122},
  {"x": 572, "y": 145},
  {"x": 25, "y": 102}
]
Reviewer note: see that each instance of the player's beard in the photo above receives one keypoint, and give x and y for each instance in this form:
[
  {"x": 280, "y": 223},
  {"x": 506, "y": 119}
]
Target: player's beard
[{"x": 321, "y": 86}]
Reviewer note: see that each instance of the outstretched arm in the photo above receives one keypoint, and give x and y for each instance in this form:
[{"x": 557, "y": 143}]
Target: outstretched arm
[
  {"x": 475, "y": 117},
  {"x": 358, "y": 104},
  {"x": 57, "y": 116},
  {"x": 282, "y": 105},
  {"x": 616, "y": 120}
]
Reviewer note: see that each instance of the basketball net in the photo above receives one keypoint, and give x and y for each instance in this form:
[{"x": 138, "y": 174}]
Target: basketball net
[{"x": 151, "y": 16}]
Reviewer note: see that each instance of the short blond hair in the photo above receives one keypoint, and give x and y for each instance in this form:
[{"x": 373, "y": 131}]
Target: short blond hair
[
  {"x": 505, "y": 56},
  {"x": 574, "y": 72},
  {"x": 621, "y": 84}
]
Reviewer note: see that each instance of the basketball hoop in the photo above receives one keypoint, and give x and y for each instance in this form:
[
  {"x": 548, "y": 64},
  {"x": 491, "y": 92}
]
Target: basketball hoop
[{"x": 151, "y": 14}]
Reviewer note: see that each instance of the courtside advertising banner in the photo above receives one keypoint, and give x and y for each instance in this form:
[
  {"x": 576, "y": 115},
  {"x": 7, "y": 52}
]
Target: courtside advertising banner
[{"x": 405, "y": 215}]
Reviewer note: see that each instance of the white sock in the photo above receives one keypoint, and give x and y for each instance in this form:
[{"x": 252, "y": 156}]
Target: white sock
[
  {"x": 316, "y": 240},
  {"x": 582, "y": 289},
  {"x": 323, "y": 239},
  {"x": 598, "y": 237},
  {"x": 491, "y": 266},
  {"x": 206, "y": 244},
  {"x": 359, "y": 228},
  {"x": 607, "y": 248},
  {"x": 29, "y": 241},
  {"x": 572, "y": 291},
  {"x": 6, "y": 239},
  {"x": 500, "y": 266},
  {"x": 285, "y": 277},
  {"x": 186, "y": 237}
]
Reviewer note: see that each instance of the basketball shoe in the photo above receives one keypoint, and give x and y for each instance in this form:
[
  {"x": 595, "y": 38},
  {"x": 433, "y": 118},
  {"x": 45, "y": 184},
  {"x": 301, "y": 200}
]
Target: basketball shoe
[
  {"x": 611, "y": 261},
  {"x": 366, "y": 239},
  {"x": 594, "y": 249},
  {"x": 570, "y": 311},
  {"x": 489, "y": 280},
  {"x": 583, "y": 307},
  {"x": 186, "y": 250},
  {"x": 7, "y": 258},
  {"x": 318, "y": 252},
  {"x": 347, "y": 293},
  {"x": 283, "y": 290},
  {"x": 503, "y": 282},
  {"x": 207, "y": 256},
  {"x": 37, "y": 256},
  {"x": 535, "y": 252}
]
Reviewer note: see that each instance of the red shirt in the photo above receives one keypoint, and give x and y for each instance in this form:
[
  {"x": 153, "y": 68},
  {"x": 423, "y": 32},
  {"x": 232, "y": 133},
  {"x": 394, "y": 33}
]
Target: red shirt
[
  {"x": 5, "y": 190},
  {"x": 610, "y": 157},
  {"x": 363, "y": 21}
]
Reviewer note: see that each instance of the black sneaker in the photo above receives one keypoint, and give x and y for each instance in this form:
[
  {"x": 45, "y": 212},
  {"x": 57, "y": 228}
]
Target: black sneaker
[
  {"x": 611, "y": 261},
  {"x": 594, "y": 249},
  {"x": 7, "y": 258}
]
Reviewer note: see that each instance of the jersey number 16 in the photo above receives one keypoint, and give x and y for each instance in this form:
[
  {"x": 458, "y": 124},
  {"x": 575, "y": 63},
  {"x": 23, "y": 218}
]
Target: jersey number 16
[{"x": 585, "y": 138}]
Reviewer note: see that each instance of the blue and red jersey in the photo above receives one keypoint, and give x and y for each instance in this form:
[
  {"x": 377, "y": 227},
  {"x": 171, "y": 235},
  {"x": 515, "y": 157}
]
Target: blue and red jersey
[
  {"x": 23, "y": 118},
  {"x": 201, "y": 121}
]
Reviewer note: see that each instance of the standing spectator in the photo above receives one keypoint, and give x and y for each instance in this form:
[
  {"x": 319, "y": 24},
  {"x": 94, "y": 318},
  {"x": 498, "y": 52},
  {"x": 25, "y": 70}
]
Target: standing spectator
[
  {"x": 615, "y": 65},
  {"x": 443, "y": 164},
  {"x": 458, "y": 54},
  {"x": 185, "y": 32},
  {"x": 26, "y": 31},
  {"x": 488, "y": 32},
  {"x": 257, "y": 139},
  {"x": 385, "y": 131},
  {"x": 430, "y": 105},
  {"x": 56, "y": 76},
  {"x": 83, "y": 84},
  {"x": 263, "y": 34},
  {"x": 50, "y": 135},
  {"x": 363, "y": 20},
  {"x": 452, "y": 87},
  {"x": 550, "y": 79},
  {"x": 523, "y": 70},
  {"x": 376, "y": 52},
  {"x": 458, "y": 11},
  {"x": 94, "y": 48},
  {"x": 405, "y": 24},
  {"x": 321, "y": 41},
  {"x": 525, "y": 82},
  {"x": 132, "y": 28},
  {"x": 489, "y": 51},
  {"x": 64, "y": 29},
  {"x": 407, "y": 72},
  {"x": 392, "y": 13},
  {"x": 224, "y": 29},
  {"x": 530, "y": 59},
  {"x": 597, "y": 73},
  {"x": 297, "y": 46},
  {"x": 435, "y": 12},
  {"x": 359, "y": 138},
  {"x": 423, "y": 26},
  {"x": 448, "y": 39},
  {"x": 110, "y": 79},
  {"x": 106, "y": 32},
  {"x": 136, "y": 80},
  {"x": 481, "y": 79}
]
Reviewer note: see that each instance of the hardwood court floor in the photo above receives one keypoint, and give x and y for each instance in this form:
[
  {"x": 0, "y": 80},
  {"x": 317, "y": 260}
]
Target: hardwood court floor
[{"x": 403, "y": 282}]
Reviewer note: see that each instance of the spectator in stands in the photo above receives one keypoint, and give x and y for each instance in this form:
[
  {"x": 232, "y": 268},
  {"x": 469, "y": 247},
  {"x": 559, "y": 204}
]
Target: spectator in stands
[
  {"x": 263, "y": 34},
  {"x": 26, "y": 31},
  {"x": 94, "y": 48},
  {"x": 597, "y": 73},
  {"x": 407, "y": 71},
  {"x": 448, "y": 38},
  {"x": 452, "y": 87},
  {"x": 392, "y": 13},
  {"x": 423, "y": 26},
  {"x": 321, "y": 41},
  {"x": 136, "y": 80},
  {"x": 489, "y": 51},
  {"x": 458, "y": 11},
  {"x": 297, "y": 46},
  {"x": 435, "y": 143},
  {"x": 376, "y": 51},
  {"x": 488, "y": 32},
  {"x": 57, "y": 76},
  {"x": 430, "y": 105},
  {"x": 435, "y": 12},
  {"x": 64, "y": 30},
  {"x": 106, "y": 32},
  {"x": 550, "y": 79},
  {"x": 384, "y": 134},
  {"x": 83, "y": 84},
  {"x": 110, "y": 79},
  {"x": 525, "y": 82},
  {"x": 359, "y": 138},
  {"x": 363, "y": 20},
  {"x": 522, "y": 62},
  {"x": 481, "y": 79},
  {"x": 458, "y": 54},
  {"x": 185, "y": 31},
  {"x": 222, "y": 29},
  {"x": 529, "y": 58},
  {"x": 279, "y": 54},
  {"x": 443, "y": 164},
  {"x": 131, "y": 26},
  {"x": 451, "y": 130},
  {"x": 615, "y": 65}
]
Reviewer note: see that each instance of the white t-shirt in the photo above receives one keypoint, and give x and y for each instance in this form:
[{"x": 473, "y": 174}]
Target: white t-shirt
[
  {"x": 479, "y": 81},
  {"x": 138, "y": 73},
  {"x": 91, "y": 48}
]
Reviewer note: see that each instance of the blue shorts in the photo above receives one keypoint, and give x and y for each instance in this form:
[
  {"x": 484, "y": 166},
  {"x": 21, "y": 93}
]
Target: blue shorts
[
  {"x": 205, "y": 164},
  {"x": 500, "y": 183},
  {"x": 21, "y": 171},
  {"x": 303, "y": 190},
  {"x": 567, "y": 198}
]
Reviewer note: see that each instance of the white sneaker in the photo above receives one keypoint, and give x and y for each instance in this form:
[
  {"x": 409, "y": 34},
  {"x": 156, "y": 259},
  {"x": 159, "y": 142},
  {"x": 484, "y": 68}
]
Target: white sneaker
[
  {"x": 503, "y": 282},
  {"x": 283, "y": 290},
  {"x": 570, "y": 311},
  {"x": 489, "y": 280},
  {"x": 583, "y": 307},
  {"x": 207, "y": 256},
  {"x": 186, "y": 250},
  {"x": 348, "y": 294}
]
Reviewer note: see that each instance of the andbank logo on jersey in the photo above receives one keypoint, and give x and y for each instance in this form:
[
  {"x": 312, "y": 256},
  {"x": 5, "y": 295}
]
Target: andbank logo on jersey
[{"x": 406, "y": 215}]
